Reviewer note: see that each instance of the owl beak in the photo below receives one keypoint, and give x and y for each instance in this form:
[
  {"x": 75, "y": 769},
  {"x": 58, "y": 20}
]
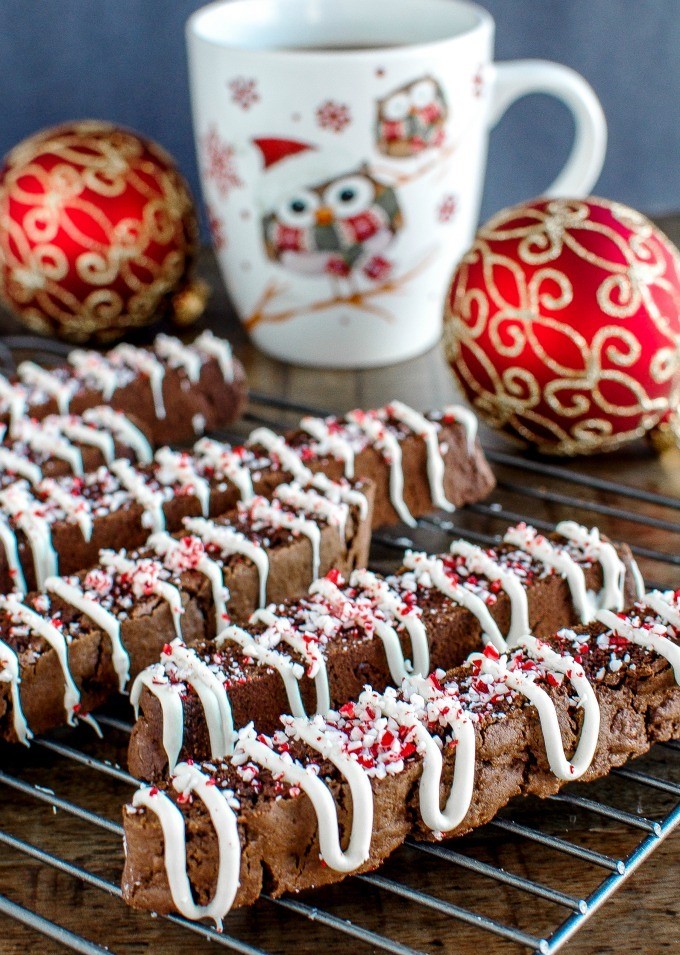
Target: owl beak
[{"x": 324, "y": 215}]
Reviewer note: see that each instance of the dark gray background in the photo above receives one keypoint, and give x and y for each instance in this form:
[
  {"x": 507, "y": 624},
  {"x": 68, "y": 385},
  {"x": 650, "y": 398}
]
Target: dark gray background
[{"x": 124, "y": 60}]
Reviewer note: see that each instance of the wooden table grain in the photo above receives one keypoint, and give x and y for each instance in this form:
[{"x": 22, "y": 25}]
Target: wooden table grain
[{"x": 642, "y": 917}]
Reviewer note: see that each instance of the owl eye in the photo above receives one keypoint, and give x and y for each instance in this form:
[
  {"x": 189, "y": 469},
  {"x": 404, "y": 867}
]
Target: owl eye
[
  {"x": 298, "y": 209},
  {"x": 350, "y": 195},
  {"x": 424, "y": 93},
  {"x": 396, "y": 107}
]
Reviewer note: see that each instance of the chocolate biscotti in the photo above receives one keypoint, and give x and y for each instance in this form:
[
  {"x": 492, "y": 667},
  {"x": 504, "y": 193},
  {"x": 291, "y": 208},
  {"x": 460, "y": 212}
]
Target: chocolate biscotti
[
  {"x": 323, "y": 798},
  {"x": 313, "y": 654},
  {"x": 177, "y": 391},
  {"x": 67, "y": 649}
]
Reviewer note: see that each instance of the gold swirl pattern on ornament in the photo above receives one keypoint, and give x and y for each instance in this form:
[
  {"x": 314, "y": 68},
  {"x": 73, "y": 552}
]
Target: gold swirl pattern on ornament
[
  {"x": 578, "y": 390},
  {"x": 104, "y": 160}
]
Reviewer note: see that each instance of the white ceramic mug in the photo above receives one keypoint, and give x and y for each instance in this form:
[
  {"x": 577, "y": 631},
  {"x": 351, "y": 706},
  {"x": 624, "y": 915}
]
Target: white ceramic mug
[{"x": 342, "y": 148}]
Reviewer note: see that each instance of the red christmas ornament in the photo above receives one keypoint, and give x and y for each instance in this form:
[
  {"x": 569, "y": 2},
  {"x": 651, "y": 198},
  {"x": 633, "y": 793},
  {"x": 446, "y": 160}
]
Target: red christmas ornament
[
  {"x": 563, "y": 324},
  {"x": 98, "y": 233}
]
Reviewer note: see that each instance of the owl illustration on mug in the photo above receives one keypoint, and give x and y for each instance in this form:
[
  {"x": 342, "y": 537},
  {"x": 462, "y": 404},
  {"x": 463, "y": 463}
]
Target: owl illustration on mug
[
  {"x": 323, "y": 215},
  {"x": 411, "y": 118}
]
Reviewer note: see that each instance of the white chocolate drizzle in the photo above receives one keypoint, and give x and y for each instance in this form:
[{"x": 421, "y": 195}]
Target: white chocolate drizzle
[
  {"x": 145, "y": 579},
  {"x": 15, "y": 398},
  {"x": 291, "y": 673},
  {"x": 189, "y": 779},
  {"x": 41, "y": 378},
  {"x": 311, "y": 502},
  {"x": 479, "y": 562},
  {"x": 430, "y": 571},
  {"x": 390, "y": 603},
  {"x": 46, "y": 438},
  {"x": 178, "y": 467},
  {"x": 90, "y": 365},
  {"x": 385, "y": 442},
  {"x": 312, "y": 733},
  {"x": 268, "y": 514},
  {"x": 219, "y": 349},
  {"x": 336, "y": 492},
  {"x": 467, "y": 419},
  {"x": 75, "y": 507},
  {"x": 57, "y": 641},
  {"x": 419, "y": 424},
  {"x": 275, "y": 445},
  {"x": 613, "y": 568},
  {"x": 540, "y": 548},
  {"x": 122, "y": 430},
  {"x": 28, "y": 515},
  {"x": 142, "y": 361},
  {"x": 330, "y": 443},
  {"x": 230, "y": 541},
  {"x": 74, "y": 596},
  {"x": 9, "y": 673},
  {"x": 174, "y": 557},
  {"x": 150, "y": 500},
  {"x": 226, "y": 463},
  {"x": 177, "y": 355},
  {"x": 643, "y": 638},
  {"x": 8, "y": 539},
  {"x": 662, "y": 607},
  {"x": 15, "y": 463}
]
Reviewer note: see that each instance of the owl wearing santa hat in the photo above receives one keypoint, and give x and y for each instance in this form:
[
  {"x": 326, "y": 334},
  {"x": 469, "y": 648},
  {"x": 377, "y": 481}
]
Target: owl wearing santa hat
[
  {"x": 317, "y": 221},
  {"x": 411, "y": 119}
]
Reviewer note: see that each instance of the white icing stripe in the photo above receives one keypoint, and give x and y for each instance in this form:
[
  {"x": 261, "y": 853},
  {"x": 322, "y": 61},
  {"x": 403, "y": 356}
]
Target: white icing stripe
[
  {"x": 56, "y": 640},
  {"x": 276, "y": 446},
  {"x": 432, "y": 570},
  {"x": 177, "y": 355},
  {"x": 522, "y": 682},
  {"x": 638, "y": 579},
  {"x": 146, "y": 572},
  {"x": 218, "y": 348},
  {"x": 613, "y": 569},
  {"x": 341, "y": 492},
  {"x": 330, "y": 443},
  {"x": 15, "y": 399},
  {"x": 177, "y": 467},
  {"x": 662, "y": 607},
  {"x": 225, "y": 463},
  {"x": 312, "y": 503},
  {"x": 188, "y": 779},
  {"x": 9, "y": 673},
  {"x": 168, "y": 547},
  {"x": 385, "y": 442},
  {"x": 45, "y": 438},
  {"x": 383, "y": 631},
  {"x": 478, "y": 562},
  {"x": 468, "y": 420},
  {"x": 429, "y": 431},
  {"x": 27, "y": 513},
  {"x": 291, "y": 673},
  {"x": 41, "y": 378},
  {"x": 230, "y": 541},
  {"x": 311, "y": 733},
  {"x": 461, "y": 726},
  {"x": 541, "y": 549},
  {"x": 169, "y": 696},
  {"x": 122, "y": 429},
  {"x": 90, "y": 365},
  {"x": 77, "y": 508},
  {"x": 16, "y": 464},
  {"x": 8, "y": 540},
  {"x": 261, "y": 511},
  {"x": 151, "y": 501},
  {"x": 390, "y": 603},
  {"x": 142, "y": 361},
  {"x": 101, "y": 617},
  {"x": 643, "y": 638},
  {"x": 280, "y": 628},
  {"x": 91, "y": 437}
]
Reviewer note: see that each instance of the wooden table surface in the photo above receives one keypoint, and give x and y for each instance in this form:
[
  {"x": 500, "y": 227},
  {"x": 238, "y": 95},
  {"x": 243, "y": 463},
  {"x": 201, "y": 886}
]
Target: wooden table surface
[{"x": 640, "y": 918}]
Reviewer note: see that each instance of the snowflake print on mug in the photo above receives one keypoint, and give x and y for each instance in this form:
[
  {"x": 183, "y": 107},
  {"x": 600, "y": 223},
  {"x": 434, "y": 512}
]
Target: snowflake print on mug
[
  {"x": 219, "y": 163},
  {"x": 216, "y": 227},
  {"x": 244, "y": 92},
  {"x": 333, "y": 116}
]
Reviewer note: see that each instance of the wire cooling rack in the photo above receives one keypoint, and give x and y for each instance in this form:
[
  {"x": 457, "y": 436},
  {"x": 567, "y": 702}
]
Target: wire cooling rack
[{"x": 532, "y": 878}]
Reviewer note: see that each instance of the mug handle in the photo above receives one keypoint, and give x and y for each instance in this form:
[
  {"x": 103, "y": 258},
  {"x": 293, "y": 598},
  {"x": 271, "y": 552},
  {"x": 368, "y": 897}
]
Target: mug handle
[{"x": 518, "y": 78}]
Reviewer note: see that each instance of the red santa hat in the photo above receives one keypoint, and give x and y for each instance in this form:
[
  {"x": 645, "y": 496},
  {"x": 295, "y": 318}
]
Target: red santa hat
[{"x": 289, "y": 165}]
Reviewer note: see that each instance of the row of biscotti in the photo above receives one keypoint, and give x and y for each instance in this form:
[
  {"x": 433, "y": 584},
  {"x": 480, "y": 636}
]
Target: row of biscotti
[
  {"x": 431, "y": 461},
  {"x": 435, "y": 611},
  {"x": 325, "y": 797},
  {"x": 177, "y": 391},
  {"x": 67, "y": 649},
  {"x": 70, "y": 445}
]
